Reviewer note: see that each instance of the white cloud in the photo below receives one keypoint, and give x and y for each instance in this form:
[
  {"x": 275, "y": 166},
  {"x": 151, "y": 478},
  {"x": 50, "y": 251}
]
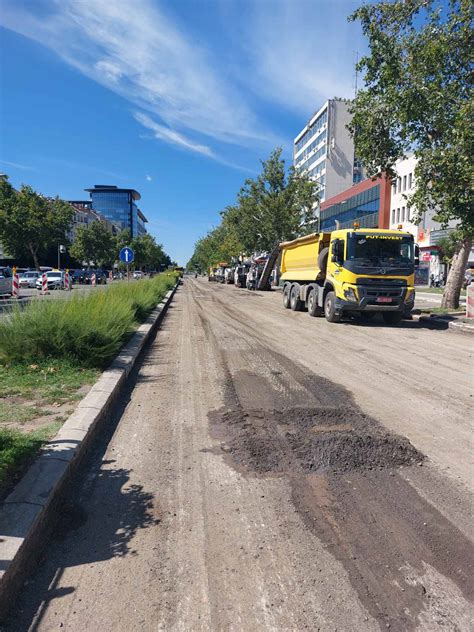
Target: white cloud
[
  {"x": 302, "y": 52},
  {"x": 148, "y": 178},
  {"x": 287, "y": 54},
  {"x": 17, "y": 165},
  {"x": 171, "y": 136},
  {"x": 143, "y": 56}
]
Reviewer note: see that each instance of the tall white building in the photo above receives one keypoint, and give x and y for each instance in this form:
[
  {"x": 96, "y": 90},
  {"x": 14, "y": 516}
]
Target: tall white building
[{"x": 325, "y": 149}]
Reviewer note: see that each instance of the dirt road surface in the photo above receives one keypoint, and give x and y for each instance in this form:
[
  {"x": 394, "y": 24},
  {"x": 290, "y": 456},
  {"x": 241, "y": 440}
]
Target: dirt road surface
[{"x": 271, "y": 471}]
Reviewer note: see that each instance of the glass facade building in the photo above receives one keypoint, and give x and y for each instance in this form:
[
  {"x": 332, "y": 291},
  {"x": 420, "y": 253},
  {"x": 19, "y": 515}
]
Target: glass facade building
[
  {"x": 363, "y": 207},
  {"x": 119, "y": 207},
  {"x": 367, "y": 202}
]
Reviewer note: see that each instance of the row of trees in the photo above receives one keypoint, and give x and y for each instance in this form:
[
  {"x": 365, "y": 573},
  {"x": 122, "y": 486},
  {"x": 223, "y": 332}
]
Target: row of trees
[
  {"x": 271, "y": 208},
  {"x": 32, "y": 226}
]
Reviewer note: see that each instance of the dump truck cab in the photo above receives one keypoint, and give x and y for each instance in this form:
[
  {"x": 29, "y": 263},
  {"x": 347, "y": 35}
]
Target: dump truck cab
[{"x": 357, "y": 271}]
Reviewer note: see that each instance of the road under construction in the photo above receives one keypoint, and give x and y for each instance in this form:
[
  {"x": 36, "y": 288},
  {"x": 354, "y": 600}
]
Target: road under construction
[{"x": 269, "y": 471}]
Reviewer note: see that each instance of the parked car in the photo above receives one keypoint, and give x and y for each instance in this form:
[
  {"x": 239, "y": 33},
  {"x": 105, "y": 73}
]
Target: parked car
[
  {"x": 5, "y": 280},
  {"x": 138, "y": 274},
  {"x": 76, "y": 276},
  {"x": 55, "y": 280},
  {"x": 28, "y": 279}
]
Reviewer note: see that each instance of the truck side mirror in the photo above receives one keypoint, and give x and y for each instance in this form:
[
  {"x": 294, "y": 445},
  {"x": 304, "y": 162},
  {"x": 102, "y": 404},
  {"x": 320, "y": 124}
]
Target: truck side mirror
[{"x": 416, "y": 260}]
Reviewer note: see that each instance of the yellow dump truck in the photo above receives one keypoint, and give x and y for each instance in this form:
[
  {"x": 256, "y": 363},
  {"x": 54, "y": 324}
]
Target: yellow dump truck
[{"x": 353, "y": 272}]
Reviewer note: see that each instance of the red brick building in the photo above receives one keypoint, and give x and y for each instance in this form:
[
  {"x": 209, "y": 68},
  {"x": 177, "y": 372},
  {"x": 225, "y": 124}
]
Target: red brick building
[{"x": 368, "y": 202}]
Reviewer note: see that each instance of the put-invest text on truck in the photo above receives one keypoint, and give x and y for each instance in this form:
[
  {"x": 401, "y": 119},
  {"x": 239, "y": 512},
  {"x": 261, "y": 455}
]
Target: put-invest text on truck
[{"x": 350, "y": 272}]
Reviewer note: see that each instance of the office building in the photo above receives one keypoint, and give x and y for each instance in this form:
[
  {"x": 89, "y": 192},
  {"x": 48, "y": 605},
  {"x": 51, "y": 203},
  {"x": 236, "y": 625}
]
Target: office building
[
  {"x": 119, "y": 207},
  {"x": 367, "y": 202},
  {"x": 325, "y": 150}
]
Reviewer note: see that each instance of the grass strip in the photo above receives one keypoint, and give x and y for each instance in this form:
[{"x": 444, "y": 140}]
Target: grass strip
[
  {"x": 87, "y": 330},
  {"x": 17, "y": 451}
]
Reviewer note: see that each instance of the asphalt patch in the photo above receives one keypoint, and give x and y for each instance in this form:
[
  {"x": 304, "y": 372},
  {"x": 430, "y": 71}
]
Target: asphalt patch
[{"x": 308, "y": 440}]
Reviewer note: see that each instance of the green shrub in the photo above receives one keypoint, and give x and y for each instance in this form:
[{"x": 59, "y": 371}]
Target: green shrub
[{"x": 88, "y": 329}]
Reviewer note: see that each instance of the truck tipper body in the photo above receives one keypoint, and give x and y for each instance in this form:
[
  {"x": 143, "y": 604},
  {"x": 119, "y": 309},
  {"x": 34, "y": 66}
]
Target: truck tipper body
[{"x": 357, "y": 272}]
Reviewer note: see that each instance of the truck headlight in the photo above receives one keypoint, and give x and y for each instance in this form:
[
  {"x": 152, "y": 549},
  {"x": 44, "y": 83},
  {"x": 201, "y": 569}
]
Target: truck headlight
[{"x": 350, "y": 294}]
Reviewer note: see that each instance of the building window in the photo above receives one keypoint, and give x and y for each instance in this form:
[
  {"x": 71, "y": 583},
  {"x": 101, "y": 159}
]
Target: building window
[
  {"x": 404, "y": 183},
  {"x": 410, "y": 180},
  {"x": 408, "y": 213},
  {"x": 394, "y": 187},
  {"x": 399, "y": 184},
  {"x": 393, "y": 216},
  {"x": 398, "y": 215}
]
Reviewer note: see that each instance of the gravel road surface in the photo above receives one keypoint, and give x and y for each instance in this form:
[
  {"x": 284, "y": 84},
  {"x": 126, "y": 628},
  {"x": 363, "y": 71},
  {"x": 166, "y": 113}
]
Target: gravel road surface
[{"x": 270, "y": 471}]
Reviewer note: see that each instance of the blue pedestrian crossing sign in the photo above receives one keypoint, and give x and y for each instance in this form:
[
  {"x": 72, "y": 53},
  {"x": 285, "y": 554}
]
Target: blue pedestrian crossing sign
[{"x": 126, "y": 255}]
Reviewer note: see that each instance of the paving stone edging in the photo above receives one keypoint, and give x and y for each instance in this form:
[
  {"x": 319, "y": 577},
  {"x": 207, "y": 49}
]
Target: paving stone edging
[
  {"x": 442, "y": 323},
  {"x": 26, "y": 514}
]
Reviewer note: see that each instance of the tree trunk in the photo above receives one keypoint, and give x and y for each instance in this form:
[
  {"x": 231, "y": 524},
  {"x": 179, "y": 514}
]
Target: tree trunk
[
  {"x": 34, "y": 254},
  {"x": 456, "y": 274}
]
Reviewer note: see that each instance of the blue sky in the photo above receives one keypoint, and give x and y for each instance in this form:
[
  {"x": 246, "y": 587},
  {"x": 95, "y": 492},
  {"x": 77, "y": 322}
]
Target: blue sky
[{"x": 179, "y": 100}]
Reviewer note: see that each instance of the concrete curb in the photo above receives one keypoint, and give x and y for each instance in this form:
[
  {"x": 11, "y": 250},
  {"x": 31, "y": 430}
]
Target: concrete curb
[
  {"x": 26, "y": 514},
  {"x": 442, "y": 323}
]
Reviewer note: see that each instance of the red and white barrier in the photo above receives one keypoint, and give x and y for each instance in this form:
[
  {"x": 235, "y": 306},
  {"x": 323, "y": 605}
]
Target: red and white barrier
[
  {"x": 44, "y": 283},
  {"x": 67, "y": 281},
  {"x": 93, "y": 279},
  {"x": 15, "y": 284},
  {"x": 470, "y": 301}
]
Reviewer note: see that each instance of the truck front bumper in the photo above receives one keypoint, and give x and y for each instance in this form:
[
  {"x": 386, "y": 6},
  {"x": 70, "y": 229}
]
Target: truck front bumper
[{"x": 379, "y": 299}]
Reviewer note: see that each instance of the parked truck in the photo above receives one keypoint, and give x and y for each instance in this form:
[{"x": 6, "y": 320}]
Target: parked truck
[{"x": 353, "y": 272}]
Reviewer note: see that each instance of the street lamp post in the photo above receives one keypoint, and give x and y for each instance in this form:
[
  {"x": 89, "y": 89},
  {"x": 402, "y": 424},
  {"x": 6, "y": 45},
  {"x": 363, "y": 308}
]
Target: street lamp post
[{"x": 61, "y": 249}]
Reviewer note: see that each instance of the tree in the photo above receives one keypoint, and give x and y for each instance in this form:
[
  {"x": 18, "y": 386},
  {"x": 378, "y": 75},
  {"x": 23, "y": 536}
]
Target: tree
[
  {"x": 148, "y": 253},
  {"x": 417, "y": 96},
  {"x": 31, "y": 223},
  {"x": 94, "y": 244},
  {"x": 122, "y": 239},
  {"x": 220, "y": 244},
  {"x": 269, "y": 209},
  {"x": 274, "y": 207}
]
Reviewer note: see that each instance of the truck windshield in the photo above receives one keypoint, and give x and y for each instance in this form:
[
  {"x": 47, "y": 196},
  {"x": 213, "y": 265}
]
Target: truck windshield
[{"x": 380, "y": 250}]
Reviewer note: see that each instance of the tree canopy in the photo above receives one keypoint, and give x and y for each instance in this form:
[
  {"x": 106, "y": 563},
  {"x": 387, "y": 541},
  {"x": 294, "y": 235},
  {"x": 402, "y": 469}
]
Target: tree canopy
[
  {"x": 94, "y": 244},
  {"x": 31, "y": 223},
  {"x": 271, "y": 208},
  {"x": 418, "y": 97}
]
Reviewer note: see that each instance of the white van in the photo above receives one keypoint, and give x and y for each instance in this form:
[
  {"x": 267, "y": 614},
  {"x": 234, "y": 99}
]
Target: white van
[{"x": 5, "y": 281}]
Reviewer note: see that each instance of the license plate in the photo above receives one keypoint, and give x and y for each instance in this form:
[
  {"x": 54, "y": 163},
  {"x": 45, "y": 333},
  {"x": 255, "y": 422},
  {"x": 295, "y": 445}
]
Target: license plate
[{"x": 384, "y": 299}]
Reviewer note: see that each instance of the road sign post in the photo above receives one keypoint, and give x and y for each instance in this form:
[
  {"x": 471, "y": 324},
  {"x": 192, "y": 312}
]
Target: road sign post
[{"x": 127, "y": 256}]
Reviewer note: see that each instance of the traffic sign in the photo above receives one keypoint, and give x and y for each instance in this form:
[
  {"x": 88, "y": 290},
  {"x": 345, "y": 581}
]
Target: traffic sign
[{"x": 126, "y": 255}]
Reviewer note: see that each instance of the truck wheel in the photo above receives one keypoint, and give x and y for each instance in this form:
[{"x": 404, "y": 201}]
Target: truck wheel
[
  {"x": 296, "y": 303},
  {"x": 286, "y": 296},
  {"x": 313, "y": 307},
  {"x": 330, "y": 308},
  {"x": 392, "y": 318}
]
